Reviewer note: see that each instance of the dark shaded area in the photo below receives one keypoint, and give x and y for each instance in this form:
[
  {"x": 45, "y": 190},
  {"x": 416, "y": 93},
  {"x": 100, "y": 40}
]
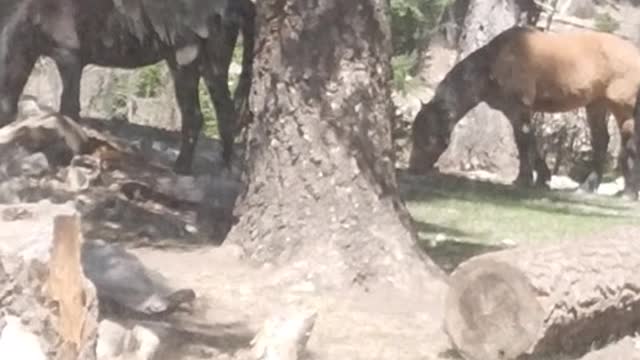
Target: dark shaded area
[
  {"x": 140, "y": 223},
  {"x": 455, "y": 245},
  {"x": 424, "y": 227},
  {"x": 448, "y": 253},
  {"x": 451, "y": 354},
  {"x": 144, "y": 134},
  {"x": 443, "y": 186}
]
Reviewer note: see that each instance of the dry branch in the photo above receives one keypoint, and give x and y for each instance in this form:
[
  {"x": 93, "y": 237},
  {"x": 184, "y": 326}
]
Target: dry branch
[{"x": 559, "y": 298}]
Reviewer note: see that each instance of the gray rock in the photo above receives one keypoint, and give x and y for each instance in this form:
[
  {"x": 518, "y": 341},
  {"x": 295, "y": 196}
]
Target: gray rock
[
  {"x": 34, "y": 165},
  {"x": 111, "y": 338},
  {"x": 117, "y": 342},
  {"x": 120, "y": 277},
  {"x": 83, "y": 171}
]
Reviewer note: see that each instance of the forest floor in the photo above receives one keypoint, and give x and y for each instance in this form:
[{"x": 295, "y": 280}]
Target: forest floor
[{"x": 456, "y": 218}]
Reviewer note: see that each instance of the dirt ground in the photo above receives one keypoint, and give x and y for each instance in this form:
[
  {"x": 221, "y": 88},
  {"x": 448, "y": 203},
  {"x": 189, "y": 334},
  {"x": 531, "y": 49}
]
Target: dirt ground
[{"x": 235, "y": 297}]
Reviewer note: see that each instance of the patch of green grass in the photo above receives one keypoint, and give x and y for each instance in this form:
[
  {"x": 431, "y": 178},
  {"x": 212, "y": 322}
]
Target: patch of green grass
[
  {"x": 605, "y": 22},
  {"x": 458, "y": 218},
  {"x": 402, "y": 79}
]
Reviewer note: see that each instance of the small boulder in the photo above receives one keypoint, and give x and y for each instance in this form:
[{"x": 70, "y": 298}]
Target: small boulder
[{"x": 33, "y": 165}]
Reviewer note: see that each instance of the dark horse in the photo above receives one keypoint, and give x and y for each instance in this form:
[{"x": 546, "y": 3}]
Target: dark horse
[
  {"x": 523, "y": 70},
  {"x": 195, "y": 37}
]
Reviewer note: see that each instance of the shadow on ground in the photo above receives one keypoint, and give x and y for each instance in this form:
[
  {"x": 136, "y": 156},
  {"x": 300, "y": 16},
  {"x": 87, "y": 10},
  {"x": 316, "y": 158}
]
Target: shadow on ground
[
  {"x": 448, "y": 253},
  {"x": 116, "y": 219},
  {"x": 457, "y": 218},
  {"x": 439, "y": 186}
]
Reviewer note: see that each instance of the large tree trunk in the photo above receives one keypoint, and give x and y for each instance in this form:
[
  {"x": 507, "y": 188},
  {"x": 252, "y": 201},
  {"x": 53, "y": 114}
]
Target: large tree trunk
[
  {"x": 539, "y": 301},
  {"x": 322, "y": 194},
  {"x": 483, "y": 140}
]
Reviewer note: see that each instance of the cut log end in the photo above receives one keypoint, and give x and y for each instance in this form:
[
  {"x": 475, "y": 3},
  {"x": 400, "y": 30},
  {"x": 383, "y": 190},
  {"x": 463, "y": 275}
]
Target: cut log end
[{"x": 491, "y": 311}]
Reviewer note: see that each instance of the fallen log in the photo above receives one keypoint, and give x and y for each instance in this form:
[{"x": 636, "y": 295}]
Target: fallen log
[
  {"x": 530, "y": 302},
  {"x": 49, "y": 307}
]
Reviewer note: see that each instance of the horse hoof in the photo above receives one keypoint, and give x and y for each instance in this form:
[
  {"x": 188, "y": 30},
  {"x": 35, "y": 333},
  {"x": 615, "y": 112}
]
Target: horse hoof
[
  {"x": 542, "y": 186},
  {"x": 418, "y": 170},
  {"x": 584, "y": 190},
  {"x": 182, "y": 169},
  {"x": 630, "y": 195},
  {"x": 581, "y": 191},
  {"x": 523, "y": 182}
]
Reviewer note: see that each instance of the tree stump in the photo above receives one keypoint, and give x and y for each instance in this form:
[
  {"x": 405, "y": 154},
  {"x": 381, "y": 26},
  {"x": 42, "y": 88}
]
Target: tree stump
[
  {"x": 562, "y": 298},
  {"x": 44, "y": 294}
]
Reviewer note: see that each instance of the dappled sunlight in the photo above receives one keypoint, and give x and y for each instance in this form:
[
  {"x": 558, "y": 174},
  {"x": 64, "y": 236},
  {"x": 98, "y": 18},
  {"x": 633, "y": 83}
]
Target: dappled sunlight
[{"x": 484, "y": 213}]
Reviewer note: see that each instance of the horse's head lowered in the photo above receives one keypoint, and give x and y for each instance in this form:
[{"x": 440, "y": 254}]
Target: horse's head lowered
[
  {"x": 430, "y": 137},
  {"x": 462, "y": 88}
]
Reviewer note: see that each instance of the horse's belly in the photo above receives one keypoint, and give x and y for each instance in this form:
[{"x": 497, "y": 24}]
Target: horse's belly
[
  {"x": 558, "y": 105},
  {"x": 124, "y": 54},
  {"x": 117, "y": 43},
  {"x": 562, "y": 99}
]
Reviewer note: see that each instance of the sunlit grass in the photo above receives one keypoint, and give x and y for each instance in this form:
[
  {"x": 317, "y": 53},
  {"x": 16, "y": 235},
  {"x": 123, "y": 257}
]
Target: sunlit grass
[{"x": 457, "y": 218}]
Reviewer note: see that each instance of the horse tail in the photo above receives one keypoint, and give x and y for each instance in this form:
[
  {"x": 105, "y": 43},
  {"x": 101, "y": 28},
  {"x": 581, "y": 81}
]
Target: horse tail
[
  {"x": 241, "y": 94},
  {"x": 635, "y": 134},
  {"x": 636, "y": 108},
  {"x": 632, "y": 147}
]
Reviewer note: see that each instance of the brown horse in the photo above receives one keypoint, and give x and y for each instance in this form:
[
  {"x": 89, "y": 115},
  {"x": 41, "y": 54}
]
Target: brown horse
[{"x": 524, "y": 70}]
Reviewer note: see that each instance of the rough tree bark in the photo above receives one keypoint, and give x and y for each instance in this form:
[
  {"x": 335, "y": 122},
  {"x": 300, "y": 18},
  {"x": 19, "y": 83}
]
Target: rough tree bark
[
  {"x": 533, "y": 302},
  {"x": 483, "y": 140},
  {"x": 322, "y": 194}
]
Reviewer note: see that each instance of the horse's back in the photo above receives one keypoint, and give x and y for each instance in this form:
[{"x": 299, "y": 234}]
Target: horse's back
[{"x": 562, "y": 71}]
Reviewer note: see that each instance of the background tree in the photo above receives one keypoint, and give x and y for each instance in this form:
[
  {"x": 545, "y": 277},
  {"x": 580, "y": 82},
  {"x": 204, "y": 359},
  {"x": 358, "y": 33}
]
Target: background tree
[{"x": 322, "y": 195}]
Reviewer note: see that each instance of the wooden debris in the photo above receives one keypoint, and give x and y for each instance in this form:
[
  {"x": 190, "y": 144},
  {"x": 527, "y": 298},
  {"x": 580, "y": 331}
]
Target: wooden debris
[
  {"x": 562, "y": 298},
  {"x": 284, "y": 336},
  {"x": 43, "y": 283}
]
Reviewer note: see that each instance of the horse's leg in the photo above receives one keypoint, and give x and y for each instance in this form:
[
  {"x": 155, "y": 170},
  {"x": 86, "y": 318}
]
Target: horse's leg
[
  {"x": 631, "y": 145},
  {"x": 70, "y": 69},
  {"x": 532, "y": 154},
  {"x": 15, "y": 69},
  {"x": 185, "y": 81},
  {"x": 597, "y": 120},
  {"x": 530, "y": 158},
  {"x": 627, "y": 120},
  {"x": 520, "y": 119},
  {"x": 625, "y": 157},
  {"x": 628, "y": 158},
  {"x": 218, "y": 55},
  {"x": 538, "y": 161}
]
